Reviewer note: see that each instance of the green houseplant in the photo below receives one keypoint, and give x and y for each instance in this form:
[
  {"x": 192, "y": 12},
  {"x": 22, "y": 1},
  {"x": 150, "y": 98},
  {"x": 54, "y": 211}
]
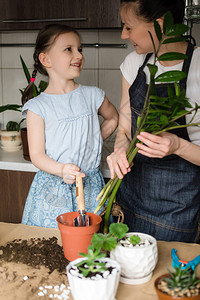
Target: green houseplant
[
  {"x": 36, "y": 91},
  {"x": 178, "y": 284},
  {"x": 96, "y": 276},
  {"x": 84, "y": 273},
  {"x": 10, "y": 137},
  {"x": 159, "y": 114}
]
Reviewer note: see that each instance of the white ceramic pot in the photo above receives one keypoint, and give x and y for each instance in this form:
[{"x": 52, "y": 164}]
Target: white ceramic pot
[
  {"x": 137, "y": 263},
  {"x": 10, "y": 140},
  {"x": 100, "y": 289}
]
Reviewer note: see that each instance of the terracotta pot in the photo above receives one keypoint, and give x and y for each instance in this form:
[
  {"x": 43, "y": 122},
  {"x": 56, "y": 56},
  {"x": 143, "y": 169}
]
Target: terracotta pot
[
  {"x": 76, "y": 240},
  {"x": 25, "y": 144},
  {"x": 163, "y": 296}
]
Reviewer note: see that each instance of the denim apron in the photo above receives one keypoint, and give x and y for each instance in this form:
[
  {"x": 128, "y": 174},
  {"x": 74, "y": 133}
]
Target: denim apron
[{"x": 161, "y": 197}]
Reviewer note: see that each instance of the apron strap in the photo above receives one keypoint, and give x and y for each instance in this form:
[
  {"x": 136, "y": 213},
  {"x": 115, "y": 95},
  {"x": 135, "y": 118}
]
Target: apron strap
[
  {"x": 146, "y": 60},
  {"x": 186, "y": 64}
]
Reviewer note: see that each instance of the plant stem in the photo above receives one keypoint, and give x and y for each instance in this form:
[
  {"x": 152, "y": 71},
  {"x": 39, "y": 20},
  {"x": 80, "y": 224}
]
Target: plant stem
[{"x": 109, "y": 205}]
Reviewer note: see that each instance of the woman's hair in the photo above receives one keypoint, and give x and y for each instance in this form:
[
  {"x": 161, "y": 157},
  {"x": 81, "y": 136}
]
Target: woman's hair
[
  {"x": 45, "y": 40},
  {"x": 155, "y": 9}
]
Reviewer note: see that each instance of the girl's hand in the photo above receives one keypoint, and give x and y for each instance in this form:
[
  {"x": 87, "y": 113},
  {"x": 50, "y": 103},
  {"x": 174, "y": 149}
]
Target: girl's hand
[
  {"x": 118, "y": 163},
  {"x": 69, "y": 173},
  {"x": 158, "y": 146}
]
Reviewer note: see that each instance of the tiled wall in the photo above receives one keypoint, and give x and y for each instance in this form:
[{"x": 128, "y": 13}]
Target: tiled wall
[{"x": 101, "y": 66}]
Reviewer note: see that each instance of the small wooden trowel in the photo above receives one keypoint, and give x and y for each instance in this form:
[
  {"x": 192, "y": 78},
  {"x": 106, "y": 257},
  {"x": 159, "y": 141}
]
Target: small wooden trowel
[{"x": 82, "y": 219}]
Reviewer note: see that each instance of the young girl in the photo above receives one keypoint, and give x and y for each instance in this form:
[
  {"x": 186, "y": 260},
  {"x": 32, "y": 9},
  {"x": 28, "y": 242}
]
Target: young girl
[
  {"x": 64, "y": 135},
  {"x": 160, "y": 195}
]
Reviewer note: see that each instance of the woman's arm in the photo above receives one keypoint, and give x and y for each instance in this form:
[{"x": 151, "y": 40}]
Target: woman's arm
[
  {"x": 117, "y": 161},
  {"x": 166, "y": 144},
  {"x": 36, "y": 142},
  {"x": 108, "y": 111}
]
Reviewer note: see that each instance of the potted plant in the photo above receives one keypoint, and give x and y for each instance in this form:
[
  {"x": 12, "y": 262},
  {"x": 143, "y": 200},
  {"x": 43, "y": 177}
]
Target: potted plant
[
  {"x": 159, "y": 114},
  {"x": 96, "y": 276},
  {"x": 137, "y": 255},
  {"x": 10, "y": 137},
  {"x": 99, "y": 274},
  {"x": 36, "y": 91},
  {"x": 178, "y": 284}
]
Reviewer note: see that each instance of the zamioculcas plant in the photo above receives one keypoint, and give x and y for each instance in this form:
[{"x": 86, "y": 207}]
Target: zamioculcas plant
[{"x": 159, "y": 114}]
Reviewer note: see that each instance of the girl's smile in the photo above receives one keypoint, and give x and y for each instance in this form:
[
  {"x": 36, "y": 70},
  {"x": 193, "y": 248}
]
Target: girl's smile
[{"x": 65, "y": 59}]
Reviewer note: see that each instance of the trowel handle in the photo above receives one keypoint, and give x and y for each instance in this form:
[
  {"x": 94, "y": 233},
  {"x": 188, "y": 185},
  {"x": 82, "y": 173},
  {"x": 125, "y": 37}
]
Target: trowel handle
[{"x": 80, "y": 193}]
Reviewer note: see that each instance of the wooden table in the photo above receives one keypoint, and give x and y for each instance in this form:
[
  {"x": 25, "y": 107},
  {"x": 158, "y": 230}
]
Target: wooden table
[{"x": 185, "y": 251}]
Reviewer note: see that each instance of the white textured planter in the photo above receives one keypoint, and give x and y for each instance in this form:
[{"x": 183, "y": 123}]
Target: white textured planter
[
  {"x": 100, "y": 289},
  {"x": 137, "y": 263},
  {"x": 10, "y": 140}
]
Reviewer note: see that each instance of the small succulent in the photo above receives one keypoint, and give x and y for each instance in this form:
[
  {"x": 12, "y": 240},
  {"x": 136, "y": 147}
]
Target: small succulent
[
  {"x": 92, "y": 263},
  {"x": 181, "y": 282},
  {"x": 183, "y": 279}
]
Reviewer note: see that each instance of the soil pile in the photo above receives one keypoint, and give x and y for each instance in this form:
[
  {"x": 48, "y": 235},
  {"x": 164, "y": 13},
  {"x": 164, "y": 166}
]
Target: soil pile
[{"x": 33, "y": 268}]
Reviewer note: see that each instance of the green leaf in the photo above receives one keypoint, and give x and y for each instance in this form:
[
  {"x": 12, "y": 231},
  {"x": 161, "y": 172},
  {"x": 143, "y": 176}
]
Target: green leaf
[
  {"x": 164, "y": 120},
  {"x": 176, "y": 30},
  {"x": 119, "y": 230},
  {"x": 109, "y": 244},
  {"x": 85, "y": 272},
  {"x": 11, "y": 126},
  {"x": 26, "y": 71},
  {"x": 173, "y": 40},
  {"x": 170, "y": 76},
  {"x": 10, "y": 107},
  {"x": 98, "y": 240},
  {"x": 158, "y": 30},
  {"x": 42, "y": 86},
  {"x": 172, "y": 56},
  {"x": 135, "y": 239},
  {"x": 168, "y": 21}
]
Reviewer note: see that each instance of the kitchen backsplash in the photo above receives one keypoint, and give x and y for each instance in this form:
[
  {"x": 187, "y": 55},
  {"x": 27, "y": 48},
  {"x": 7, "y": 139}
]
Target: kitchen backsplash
[{"x": 101, "y": 65}]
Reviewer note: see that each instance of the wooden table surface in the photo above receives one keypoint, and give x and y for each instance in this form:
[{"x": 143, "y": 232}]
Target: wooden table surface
[{"x": 146, "y": 291}]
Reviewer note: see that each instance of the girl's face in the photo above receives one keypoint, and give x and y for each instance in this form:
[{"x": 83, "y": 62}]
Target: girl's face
[
  {"x": 135, "y": 29},
  {"x": 64, "y": 59}
]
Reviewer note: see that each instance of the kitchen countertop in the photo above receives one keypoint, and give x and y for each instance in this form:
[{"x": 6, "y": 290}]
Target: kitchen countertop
[
  {"x": 14, "y": 161},
  {"x": 185, "y": 251}
]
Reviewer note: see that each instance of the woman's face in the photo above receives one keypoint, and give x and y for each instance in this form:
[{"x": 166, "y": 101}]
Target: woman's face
[{"x": 135, "y": 29}]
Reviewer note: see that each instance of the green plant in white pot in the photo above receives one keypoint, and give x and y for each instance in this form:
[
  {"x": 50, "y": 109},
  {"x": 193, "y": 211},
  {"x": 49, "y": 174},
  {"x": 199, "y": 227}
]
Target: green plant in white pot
[
  {"x": 11, "y": 137},
  {"x": 99, "y": 274},
  {"x": 96, "y": 276}
]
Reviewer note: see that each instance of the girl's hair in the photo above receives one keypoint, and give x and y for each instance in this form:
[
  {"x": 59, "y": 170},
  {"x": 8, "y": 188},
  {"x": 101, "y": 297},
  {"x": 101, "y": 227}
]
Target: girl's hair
[
  {"x": 154, "y": 9},
  {"x": 45, "y": 40}
]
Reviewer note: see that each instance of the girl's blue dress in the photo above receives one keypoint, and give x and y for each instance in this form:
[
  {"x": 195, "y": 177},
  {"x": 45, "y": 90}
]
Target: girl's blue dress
[{"x": 72, "y": 135}]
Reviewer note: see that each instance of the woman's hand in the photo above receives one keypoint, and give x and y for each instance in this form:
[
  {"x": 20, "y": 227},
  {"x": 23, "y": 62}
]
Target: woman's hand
[
  {"x": 158, "y": 146},
  {"x": 118, "y": 163},
  {"x": 69, "y": 173}
]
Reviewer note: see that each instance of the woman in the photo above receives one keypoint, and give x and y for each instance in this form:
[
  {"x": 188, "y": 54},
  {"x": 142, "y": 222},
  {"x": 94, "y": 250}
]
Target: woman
[{"x": 160, "y": 194}]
